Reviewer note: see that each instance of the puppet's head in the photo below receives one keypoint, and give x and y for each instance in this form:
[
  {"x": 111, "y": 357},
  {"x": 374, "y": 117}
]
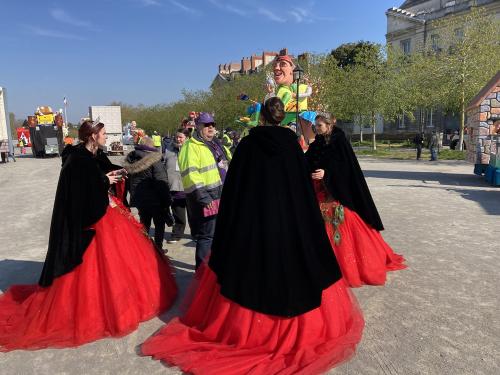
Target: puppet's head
[{"x": 283, "y": 70}]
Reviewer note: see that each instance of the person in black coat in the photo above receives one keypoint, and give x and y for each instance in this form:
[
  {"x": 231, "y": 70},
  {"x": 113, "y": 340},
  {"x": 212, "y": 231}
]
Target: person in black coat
[
  {"x": 270, "y": 250},
  {"x": 271, "y": 298},
  {"x": 101, "y": 275},
  {"x": 332, "y": 159},
  {"x": 419, "y": 143},
  {"x": 149, "y": 191}
]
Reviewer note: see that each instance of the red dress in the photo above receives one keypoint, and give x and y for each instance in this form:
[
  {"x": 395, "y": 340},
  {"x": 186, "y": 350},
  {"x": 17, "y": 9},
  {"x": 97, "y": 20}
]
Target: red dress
[
  {"x": 121, "y": 282},
  {"x": 363, "y": 255},
  {"x": 217, "y": 336}
]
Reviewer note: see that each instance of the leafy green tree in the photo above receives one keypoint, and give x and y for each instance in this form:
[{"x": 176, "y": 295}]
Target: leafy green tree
[
  {"x": 347, "y": 54},
  {"x": 470, "y": 58}
]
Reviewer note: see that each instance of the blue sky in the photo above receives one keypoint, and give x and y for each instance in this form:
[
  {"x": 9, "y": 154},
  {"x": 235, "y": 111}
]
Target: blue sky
[{"x": 147, "y": 51}]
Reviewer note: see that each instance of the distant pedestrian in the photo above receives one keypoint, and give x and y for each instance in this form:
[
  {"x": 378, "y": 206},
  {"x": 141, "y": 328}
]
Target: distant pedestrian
[
  {"x": 434, "y": 146},
  {"x": 419, "y": 143},
  {"x": 21, "y": 146},
  {"x": 175, "y": 184},
  {"x": 203, "y": 162},
  {"x": 149, "y": 190},
  {"x": 156, "y": 141}
]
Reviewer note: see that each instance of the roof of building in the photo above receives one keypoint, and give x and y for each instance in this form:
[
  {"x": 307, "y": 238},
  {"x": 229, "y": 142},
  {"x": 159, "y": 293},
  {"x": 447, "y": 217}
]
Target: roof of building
[
  {"x": 412, "y": 3},
  {"x": 401, "y": 12},
  {"x": 485, "y": 91}
]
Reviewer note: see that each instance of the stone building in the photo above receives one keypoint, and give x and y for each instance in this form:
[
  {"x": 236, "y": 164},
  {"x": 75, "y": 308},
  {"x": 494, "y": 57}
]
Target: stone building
[
  {"x": 247, "y": 65},
  {"x": 412, "y": 26},
  {"x": 483, "y": 124}
]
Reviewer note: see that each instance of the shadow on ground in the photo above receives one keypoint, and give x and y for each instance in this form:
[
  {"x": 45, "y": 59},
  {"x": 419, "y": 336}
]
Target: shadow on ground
[
  {"x": 441, "y": 177},
  {"x": 13, "y": 272},
  {"x": 489, "y": 200}
]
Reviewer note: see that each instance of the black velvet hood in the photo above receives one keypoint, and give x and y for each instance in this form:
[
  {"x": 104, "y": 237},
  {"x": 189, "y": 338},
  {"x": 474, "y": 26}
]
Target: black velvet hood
[
  {"x": 343, "y": 176},
  {"x": 270, "y": 251},
  {"x": 81, "y": 200}
]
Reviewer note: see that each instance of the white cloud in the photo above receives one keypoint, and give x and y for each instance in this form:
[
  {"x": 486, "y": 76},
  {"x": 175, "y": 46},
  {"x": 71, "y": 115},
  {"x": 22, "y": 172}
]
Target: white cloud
[
  {"x": 270, "y": 15},
  {"x": 229, "y": 8},
  {"x": 38, "y": 31},
  {"x": 148, "y": 3},
  {"x": 63, "y": 16},
  {"x": 183, "y": 7}
]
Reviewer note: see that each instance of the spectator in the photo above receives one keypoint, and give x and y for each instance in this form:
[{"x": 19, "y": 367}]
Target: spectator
[
  {"x": 434, "y": 146},
  {"x": 165, "y": 142},
  {"x": 149, "y": 190},
  {"x": 419, "y": 143},
  {"x": 175, "y": 184},
  {"x": 156, "y": 140},
  {"x": 203, "y": 163},
  {"x": 227, "y": 140}
]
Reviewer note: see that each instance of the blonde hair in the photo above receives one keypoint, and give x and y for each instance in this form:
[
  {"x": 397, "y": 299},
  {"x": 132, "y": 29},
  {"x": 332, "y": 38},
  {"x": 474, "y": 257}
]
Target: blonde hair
[{"x": 328, "y": 119}]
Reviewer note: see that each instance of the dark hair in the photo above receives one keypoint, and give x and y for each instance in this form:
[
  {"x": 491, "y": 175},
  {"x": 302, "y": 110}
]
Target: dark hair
[
  {"x": 273, "y": 111},
  {"x": 86, "y": 130},
  {"x": 184, "y": 131}
]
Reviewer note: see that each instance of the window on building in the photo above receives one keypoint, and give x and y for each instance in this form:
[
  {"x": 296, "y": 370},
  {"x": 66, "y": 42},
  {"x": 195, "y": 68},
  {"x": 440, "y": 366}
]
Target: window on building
[
  {"x": 401, "y": 122},
  {"x": 435, "y": 42},
  {"x": 406, "y": 46},
  {"x": 429, "y": 120}
]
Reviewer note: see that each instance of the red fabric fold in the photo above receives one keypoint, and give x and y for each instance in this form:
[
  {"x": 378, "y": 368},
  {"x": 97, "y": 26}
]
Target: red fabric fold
[
  {"x": 218, "y": 336},
  {"x": 121, "y": 282}
]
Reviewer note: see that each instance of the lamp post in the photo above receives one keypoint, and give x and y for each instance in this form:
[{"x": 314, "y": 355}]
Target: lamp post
[
  {"x": 297, "y": 76},
  {"x": 65, "y": 102}
]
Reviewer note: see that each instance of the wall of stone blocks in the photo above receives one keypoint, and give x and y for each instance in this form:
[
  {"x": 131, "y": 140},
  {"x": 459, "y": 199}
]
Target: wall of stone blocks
[{"x": 482, "y": 143}]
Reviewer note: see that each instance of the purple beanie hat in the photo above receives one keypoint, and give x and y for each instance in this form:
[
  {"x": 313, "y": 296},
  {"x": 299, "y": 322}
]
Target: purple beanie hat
[{"x": 205, "y": 118}]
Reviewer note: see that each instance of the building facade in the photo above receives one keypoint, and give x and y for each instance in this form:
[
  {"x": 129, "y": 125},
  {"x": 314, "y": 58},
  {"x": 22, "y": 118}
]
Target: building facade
[{"x": 414, "y": 26}]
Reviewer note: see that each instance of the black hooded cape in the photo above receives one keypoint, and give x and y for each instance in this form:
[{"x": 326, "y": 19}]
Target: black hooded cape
[
  {"x": 270, "y": 251},
  {"x": 343, "y": 176},
  {"x": 81, "y": 200}
]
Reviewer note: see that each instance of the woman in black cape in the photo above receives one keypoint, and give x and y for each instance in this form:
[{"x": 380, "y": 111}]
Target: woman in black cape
[
  {"x": 101, "y": 276},
  {"x": 351, "y": 217},
  {"x": 271, "y": 299}
]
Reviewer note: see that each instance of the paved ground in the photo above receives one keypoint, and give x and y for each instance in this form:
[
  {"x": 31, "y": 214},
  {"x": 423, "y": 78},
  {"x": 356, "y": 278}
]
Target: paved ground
[{"x": 441, "y": 316}]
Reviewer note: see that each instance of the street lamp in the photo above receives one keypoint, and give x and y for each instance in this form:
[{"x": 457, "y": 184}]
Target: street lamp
[{"x": 297, "y": 76}]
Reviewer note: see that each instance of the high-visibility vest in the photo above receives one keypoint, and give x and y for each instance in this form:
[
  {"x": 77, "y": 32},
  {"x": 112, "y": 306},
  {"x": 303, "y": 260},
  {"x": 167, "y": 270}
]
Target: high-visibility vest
[
  {"x": 156, "y": 140},
  {"x": 198, "y": 166}
]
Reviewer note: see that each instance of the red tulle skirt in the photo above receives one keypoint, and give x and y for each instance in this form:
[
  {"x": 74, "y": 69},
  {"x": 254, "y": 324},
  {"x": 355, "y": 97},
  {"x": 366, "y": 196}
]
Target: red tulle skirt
[
  {"x": 363, "y": 255},
  {"x": 121, "y": 282},
  {"x": 217, "y": 336}
]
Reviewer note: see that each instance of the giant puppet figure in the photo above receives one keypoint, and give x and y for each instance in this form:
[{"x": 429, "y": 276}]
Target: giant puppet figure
[
  {"x": 282, "y": 85},
  {"x": 286, "y": 88}
]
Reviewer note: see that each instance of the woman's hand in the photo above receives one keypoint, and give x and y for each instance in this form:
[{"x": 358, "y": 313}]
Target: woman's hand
[
  {"x": 210, "y": 206},
  {"x": 318, "y": 174},
  {"x": 121, "y": 172},
  {"x": 113, "y": 177}
]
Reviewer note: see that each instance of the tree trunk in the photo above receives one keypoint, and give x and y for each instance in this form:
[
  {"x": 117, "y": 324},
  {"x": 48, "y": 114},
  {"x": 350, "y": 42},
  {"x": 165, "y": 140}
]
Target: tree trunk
[
  {"x": 462, "y": 122},
  {"x": 360, "y": 133},
  {"x": 373, "y": 124}
]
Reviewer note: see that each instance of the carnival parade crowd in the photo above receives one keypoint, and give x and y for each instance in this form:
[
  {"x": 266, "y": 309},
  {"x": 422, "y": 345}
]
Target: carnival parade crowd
[{"x": 281, "y": 233}]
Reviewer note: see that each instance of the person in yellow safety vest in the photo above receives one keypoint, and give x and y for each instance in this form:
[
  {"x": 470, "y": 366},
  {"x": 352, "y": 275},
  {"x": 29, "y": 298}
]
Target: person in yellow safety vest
[
  {"x": 226, "y": 138},
  {"x": 156, "y": 140},
  {"x": 203, "y": 163}
]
